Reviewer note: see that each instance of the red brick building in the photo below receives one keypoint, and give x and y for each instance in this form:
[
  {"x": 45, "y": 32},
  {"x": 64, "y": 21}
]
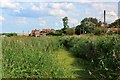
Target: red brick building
[{"x": 35, "y": 33}]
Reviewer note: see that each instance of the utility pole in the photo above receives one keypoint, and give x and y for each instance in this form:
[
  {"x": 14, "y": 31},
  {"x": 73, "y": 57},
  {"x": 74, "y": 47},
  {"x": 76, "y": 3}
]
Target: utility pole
[{"x": 23, "y": 32}]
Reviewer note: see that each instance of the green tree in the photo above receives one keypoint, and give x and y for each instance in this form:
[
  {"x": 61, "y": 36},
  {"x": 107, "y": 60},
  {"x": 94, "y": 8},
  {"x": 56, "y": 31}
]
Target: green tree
[
  {"x": 87, "y": 26},
  {"x": 116, "y": 23},
  {"x": 65, "y": 22},
  {"x": 70, "y": 31},
  {"x": 9, "y": 34},
  {"x": 78, "y": 30}
]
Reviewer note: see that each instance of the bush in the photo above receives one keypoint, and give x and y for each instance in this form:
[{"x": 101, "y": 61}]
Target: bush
[
  {"x": 98, "y": 31},
  {"x": 56, "y": 33},
  {"x": 10, "y": 34},
  {"x": 103, "y": 54}
]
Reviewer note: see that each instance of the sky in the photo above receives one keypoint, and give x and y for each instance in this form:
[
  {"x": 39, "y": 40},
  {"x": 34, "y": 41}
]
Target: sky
[{"x": 18, "y": 16}]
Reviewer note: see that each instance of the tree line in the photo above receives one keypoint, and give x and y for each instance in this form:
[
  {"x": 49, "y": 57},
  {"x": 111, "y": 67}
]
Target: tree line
[{"x": 87, "y": 26}]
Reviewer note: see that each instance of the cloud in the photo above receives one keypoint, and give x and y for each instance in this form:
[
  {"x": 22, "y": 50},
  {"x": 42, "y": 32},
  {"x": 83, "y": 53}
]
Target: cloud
[
  {"x": 42, "y": 22},
  {"x": 112, "y": 13},
  {"x": 58, "y": 12},
  {"x": 40, "y": 7},
  {"x": 35, "y": 8},
  {"x": 104, "y": 6},
  {"x": 1, "y": 19},
  {"x": 73, "y": 21},
  {"x": 63, "y": 0},
  {"x": 61, "y": 9},
  {"x": 30, "y": 13},
  {"x": 63, "y": 6},
  {"x": 57, "y": 24},
  {"x": 111, "y": 10},
  {"x": 11, "y": 5},
  {"x": 21, "y": 20}
]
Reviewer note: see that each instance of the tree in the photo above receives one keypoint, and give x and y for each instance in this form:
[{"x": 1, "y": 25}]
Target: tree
[
  {"x": 65, "y": 22},
  {"x": 116, "y": 23},
  {"x": 9, "y": 34},
  {"x": 87, "y": 26},
  {"x": 70, "y": 31},
  {"x": 78, "y": 30}
]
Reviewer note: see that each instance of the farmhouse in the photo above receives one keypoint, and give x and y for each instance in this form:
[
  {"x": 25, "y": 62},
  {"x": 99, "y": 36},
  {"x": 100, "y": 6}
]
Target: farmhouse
[
  {"x": 38, "y": 33},
  {"x": 35, "y": 33}
]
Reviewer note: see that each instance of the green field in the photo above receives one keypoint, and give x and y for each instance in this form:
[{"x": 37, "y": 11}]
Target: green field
[{"x": 83, "y": 57}]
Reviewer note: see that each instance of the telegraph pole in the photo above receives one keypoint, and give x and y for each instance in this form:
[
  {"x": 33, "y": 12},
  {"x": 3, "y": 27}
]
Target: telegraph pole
[{"x": 23, "y": 32}]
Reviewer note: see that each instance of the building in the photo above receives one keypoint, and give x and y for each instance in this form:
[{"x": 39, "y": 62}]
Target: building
[
  {"x": 115, "y": 29},
  {"x": 35, "y": 33},
  {"x": 38, "y": 33},
  {"x": 112, "y": 29}
]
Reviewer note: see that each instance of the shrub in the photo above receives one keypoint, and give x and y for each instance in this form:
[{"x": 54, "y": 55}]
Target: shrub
[{"x": 103, "y": 54}]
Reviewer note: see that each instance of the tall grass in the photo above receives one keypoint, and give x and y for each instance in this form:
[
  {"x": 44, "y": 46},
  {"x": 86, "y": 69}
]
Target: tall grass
[
  {"x": 57, "y": 57},
  {"x": 102, "y": 53},
  {"x": 32, "y": 58}
]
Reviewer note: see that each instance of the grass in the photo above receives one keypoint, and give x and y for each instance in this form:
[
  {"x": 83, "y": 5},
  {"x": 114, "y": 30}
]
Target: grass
[
  {"x": 45, "y": 57},
  {"x": 36, "y": 58}
]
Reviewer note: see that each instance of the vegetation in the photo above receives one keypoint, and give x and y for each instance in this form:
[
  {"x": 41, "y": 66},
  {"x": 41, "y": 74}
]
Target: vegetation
[
  {"x": 116, "y": 23},
  {"x": 56, "y": 33},
  {"x": 34, "y": 58},
  {"x": 86, "y": 56},
  {"x": 102, "y": 55},
  {"x": 81, "y": 57},
  {"x": 9, "y": 34},
  {"x": 65, "y": 22},
  {"x": 87, "y": 25}
]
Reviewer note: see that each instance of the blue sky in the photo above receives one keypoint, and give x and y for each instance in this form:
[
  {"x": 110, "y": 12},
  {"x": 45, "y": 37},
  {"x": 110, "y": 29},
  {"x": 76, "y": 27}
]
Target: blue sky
[{"x": 26, "y": 16}]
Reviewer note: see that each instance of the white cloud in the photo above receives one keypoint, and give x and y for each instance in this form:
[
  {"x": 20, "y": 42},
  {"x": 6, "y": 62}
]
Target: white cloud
[
  {"x": 42, "y": 22},
  {"x": 63, "y": 5},
  {"x": 58, "y": 12},
  {"x": 21, "y": 20},
  {"x": 1, "y": 19},
  {"x": 41, "y": 7},
  {"x": 61, "y": 9},
  {"x": 112, "y": 13},
  {"x": 11, "y": 5},
  {"x": 63, "y": 0},
  {"x": 104, "y": 6},
  {"x": 56, "y": 24},
  {"x": 35, "y": 8},
  {"x": 73, "y": 21}
]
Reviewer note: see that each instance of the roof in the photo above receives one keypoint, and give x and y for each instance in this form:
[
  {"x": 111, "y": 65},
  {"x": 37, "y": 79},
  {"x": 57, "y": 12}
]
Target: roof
[
  {"x": 48, "y": 30},
  {"x": 115, "y": 29},
  {"x": 33, "y": 31}
]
